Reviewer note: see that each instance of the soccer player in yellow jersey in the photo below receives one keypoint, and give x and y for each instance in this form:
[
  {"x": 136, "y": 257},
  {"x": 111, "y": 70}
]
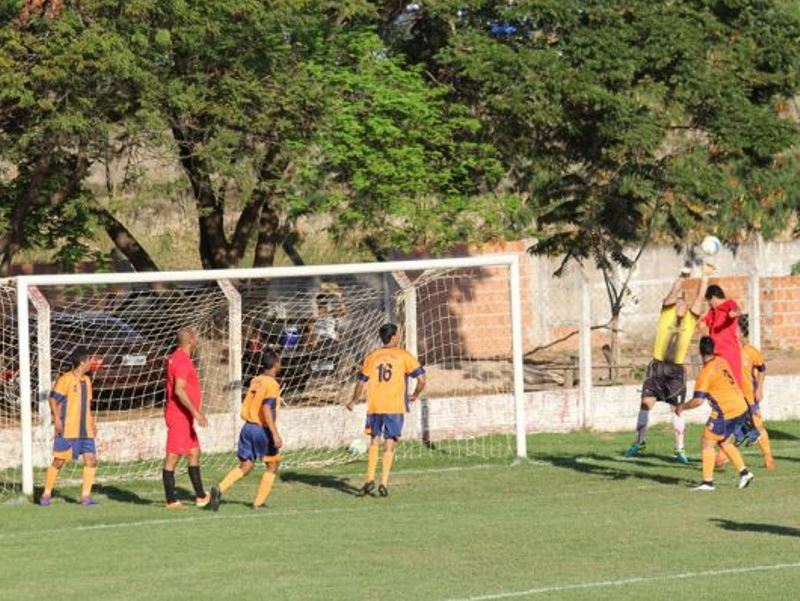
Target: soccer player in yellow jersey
[
  {"x": 666, "y": 377},
  {"x": 71, "y": 409},
  {"x": 259, "y": 439},
  {"x": 385, "y": 376},
  {"x": 729, "y": 413}
]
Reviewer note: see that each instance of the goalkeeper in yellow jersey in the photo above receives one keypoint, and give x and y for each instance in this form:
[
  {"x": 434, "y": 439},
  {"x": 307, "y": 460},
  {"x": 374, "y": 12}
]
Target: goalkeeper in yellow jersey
[
  {"x": 385, "y": 376},
  {"x": 259, "y": 439}
]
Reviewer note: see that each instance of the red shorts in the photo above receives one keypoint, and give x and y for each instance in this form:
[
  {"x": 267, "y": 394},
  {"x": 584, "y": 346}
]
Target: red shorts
[{"x": 181, "y": 436}]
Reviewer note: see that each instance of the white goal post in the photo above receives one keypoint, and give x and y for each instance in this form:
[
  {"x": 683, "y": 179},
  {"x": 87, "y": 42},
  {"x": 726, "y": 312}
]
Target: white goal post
[{"x": 220, "y": 294}]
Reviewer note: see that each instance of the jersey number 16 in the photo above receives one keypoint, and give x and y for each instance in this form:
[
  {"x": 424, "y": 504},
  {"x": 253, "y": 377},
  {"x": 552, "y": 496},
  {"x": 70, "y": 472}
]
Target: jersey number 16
[{"x": 384, "y": 372}]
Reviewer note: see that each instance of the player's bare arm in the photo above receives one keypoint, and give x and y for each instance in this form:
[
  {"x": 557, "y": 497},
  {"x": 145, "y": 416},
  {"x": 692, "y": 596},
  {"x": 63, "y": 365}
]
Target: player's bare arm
[
  {"x": 271, "y": 426},
  {"x": 674, "y": 293},
  {"x": 692, "y": 404},
  {"x": 357, "y": 392},
  {"x": 183, "y": 397},
  {"x": 699, "y": 301},
  {"x": 421, "y": 382},
  {"x": 57, "y": 423}
]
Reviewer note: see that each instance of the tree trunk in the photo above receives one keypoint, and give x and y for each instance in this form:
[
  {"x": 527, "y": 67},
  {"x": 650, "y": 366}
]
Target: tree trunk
[
  {"x": 616, "y": 351},
  {"x": 125, "y": 242},
  {"x": 268, "y": 239}
]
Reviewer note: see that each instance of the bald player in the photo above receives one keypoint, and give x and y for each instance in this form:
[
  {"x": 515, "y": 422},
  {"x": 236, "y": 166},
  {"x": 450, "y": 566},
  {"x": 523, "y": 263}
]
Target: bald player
[
  {"x": 666, "y": 376},
  {"x": 183, "y": 409}
]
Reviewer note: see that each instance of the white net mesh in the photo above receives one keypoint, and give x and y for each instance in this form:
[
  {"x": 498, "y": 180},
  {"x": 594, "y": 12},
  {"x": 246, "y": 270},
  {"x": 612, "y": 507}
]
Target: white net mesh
[
  {"x": 10, "y": 436},
  {"x": 322, "y": 328}
]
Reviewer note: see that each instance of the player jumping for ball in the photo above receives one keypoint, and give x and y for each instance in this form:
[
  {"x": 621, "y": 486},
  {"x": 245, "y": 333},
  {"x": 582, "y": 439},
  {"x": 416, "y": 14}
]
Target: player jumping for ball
[
  {"x": 385, "y": 375},
  {"x": 666, "y": 377},
  {"x": 259, "y": 439},
  {"x": 729, "y": 413}
]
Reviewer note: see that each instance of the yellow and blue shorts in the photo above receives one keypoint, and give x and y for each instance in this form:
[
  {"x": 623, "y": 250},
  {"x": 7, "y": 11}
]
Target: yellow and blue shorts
[
  {"x": 257, "y": 444},
  {"x": 72, "y": 448},
  {"x": 388, "y": 425}
]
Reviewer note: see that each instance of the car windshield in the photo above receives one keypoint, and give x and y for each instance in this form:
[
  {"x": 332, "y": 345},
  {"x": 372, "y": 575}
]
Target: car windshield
[{"x": 96, "y": 326}]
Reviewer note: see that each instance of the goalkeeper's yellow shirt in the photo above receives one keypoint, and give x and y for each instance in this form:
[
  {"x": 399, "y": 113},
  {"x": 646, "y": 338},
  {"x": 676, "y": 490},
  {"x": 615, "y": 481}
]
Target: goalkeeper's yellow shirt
[
  {"x": 673, "y": 337},
  {"x": 386, "y": 372},
  {"x": 264, "y": 390}
]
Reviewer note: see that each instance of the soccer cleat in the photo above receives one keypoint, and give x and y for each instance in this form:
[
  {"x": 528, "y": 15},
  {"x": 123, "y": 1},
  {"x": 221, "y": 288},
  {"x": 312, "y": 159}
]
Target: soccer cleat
[
  {"x": 745, "y": 479},
  {"x": 178, "y": 505},
  {"x": 680, "y": 457},
  {"x": 367, "y": 489},
  {"x": 769, "y": 462},
  {"x": 704, "y": 487},
  {"x": 45, "y": 501},
  {"x": 88, "y": 502},
  {"x": 214, "y": 498},
  {"x": 202, "y": 501},
  {"x": 721, "y": 461},
  {"x": 383, "y": 491},
  {"x": 635, "y": 449}
]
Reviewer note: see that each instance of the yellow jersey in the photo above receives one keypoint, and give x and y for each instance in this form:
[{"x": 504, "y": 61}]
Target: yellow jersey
[
  {"x": 264, "y": 390},
  {"x": 386, "y": 372},
  {"x": 73, "y": 396},
  {"x": 716, "y": 384},
  {"x": 752, "y": 362},
  {"x": 673, "y": 336}
]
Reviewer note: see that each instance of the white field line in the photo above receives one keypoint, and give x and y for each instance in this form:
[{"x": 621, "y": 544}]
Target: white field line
[{"x": 580, "y": 586}]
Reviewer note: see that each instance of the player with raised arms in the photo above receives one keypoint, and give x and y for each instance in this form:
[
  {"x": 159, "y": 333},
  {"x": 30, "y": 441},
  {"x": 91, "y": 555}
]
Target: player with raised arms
[
  {"x": 259, "y": 439},
  {"x": 71, "y": 408},
  {"x": 385, "y": 375},
  {"x": 666, "y": 376},
  {"x": 183, "y": 409},
  {"x": 729, "y": 413}
]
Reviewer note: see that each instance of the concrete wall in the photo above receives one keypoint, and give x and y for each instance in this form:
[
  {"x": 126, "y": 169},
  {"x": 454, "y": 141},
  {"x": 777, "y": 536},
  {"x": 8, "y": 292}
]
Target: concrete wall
[{"x": 613, "y": 409}]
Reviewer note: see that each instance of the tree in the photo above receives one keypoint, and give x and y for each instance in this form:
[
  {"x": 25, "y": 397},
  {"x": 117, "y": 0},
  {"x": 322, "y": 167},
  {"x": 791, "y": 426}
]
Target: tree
[
  {"x": 64, "y": 82},
  {"x": 623, "y": 120}
]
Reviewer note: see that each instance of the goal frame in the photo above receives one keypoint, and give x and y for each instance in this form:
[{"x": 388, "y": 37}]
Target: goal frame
[{"x": 27, "y": 291}]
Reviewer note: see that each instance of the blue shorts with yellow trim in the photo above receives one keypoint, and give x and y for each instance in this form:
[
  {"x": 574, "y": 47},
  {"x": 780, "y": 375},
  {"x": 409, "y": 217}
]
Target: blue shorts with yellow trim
[
  {"x": 388, "y": 425},
  {"x": 72, "y": 448},
  {"x": 256, "y": 444},
  {"x": 722, "y": 429}
]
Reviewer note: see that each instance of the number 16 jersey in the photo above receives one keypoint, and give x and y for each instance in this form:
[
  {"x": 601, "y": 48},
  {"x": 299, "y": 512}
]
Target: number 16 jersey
[{"x": 385, "y": 373}]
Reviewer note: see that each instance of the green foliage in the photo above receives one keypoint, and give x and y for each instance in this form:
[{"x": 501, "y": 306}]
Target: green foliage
[{"x": 611, "y": 114}]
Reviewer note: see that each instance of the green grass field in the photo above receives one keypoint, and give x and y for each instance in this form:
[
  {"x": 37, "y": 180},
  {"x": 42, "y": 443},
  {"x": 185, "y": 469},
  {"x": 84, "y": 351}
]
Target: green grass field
[{"x": 572, "y": 523}]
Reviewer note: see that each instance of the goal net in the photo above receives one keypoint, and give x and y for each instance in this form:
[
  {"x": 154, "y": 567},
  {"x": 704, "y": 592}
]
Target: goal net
[
  {"x": 456, "y": 316},
  {"x": 10, "y": 434}
]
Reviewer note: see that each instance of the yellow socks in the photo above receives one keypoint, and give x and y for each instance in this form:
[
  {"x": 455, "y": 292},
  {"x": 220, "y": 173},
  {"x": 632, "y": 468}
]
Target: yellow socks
[
  {"x": 264, "y": 489},
  {"x": 734, "y": 455},
  {"x": 50, "y": 481},
  {"x": 88, "y": 480},
  {"x": 386, "y": 467},
  {"x": 232, "y": 478},
  {"x": 708, "y": 464},
  {"x": 372, "y": 462}
]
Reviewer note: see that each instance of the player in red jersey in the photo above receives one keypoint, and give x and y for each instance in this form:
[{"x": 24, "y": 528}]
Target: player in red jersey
[
  {"x": 722, "y": 324},
  {"x": 183, "y": 409}
]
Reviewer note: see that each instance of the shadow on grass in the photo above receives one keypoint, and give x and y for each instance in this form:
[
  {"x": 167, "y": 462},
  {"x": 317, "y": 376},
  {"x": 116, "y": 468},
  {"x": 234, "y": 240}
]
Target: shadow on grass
[
  {"x": 755, "y": 527},
  {"x": 320, "y": 480},
  {"x": 775, "y": 434},
  {"x": 593, "y": 464},
  {"x": 120, "y": 495}
]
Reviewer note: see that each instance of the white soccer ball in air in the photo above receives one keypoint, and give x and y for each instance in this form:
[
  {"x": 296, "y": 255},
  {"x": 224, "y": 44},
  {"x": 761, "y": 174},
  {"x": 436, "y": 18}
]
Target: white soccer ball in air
[
  {"x": 357, "y": 447},
  {"x": 711, "y": 245}
]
